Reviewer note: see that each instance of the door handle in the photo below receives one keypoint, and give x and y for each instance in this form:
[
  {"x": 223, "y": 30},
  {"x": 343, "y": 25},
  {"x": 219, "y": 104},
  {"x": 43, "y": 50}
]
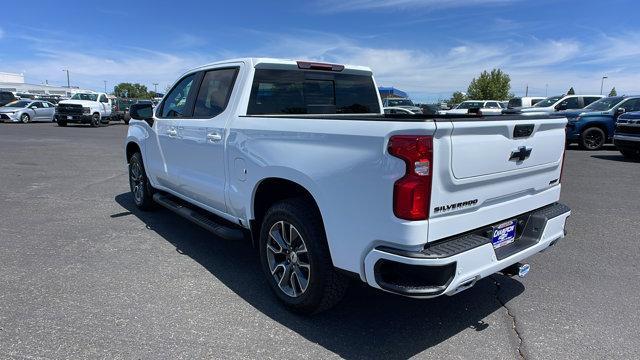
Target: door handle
[
  {"x": 172, "y": 132},
  {"x": 214, "y": 136}
]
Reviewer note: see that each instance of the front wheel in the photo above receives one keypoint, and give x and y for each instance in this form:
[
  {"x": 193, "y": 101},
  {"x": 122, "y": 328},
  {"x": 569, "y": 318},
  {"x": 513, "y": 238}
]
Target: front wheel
[
  {"x": 62, "y": 123},
  {"x": 295, "y": 258},
  {"x": 25, "y": 118},
  {"x": 592, "y": 139},
  {"x": 95, "y": 120},
  {"x": 139, "y": 184}
]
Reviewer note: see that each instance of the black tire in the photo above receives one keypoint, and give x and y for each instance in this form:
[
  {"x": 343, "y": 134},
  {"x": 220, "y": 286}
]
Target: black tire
[
  {"x": 62, "y": 123},
  {"x": 126, "y": 120},
  {"x": 630, "y": 154},
  {"x": 95, "y": 120},
  {"x": 592, "y": 139},
  {"x": 139, "y": 184},
  {"x": 325, "y": 285},
  {"x": 25, "y": 118}
]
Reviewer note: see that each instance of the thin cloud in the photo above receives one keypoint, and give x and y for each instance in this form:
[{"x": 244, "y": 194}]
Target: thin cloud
[
  {"x": 1, "y": 33},
  {"x": 354, "y": 5}
]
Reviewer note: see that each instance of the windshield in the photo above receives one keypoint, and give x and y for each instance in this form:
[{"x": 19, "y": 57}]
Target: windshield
[
  {"x": 548, "y": 101},
  {"x": 400, "y": 102},
  {"x": 604, "y": 104},
  {"x": 18, "y": 104},
  {"x": 470, "y": 105},
  {"x": 90, "y": 97}
]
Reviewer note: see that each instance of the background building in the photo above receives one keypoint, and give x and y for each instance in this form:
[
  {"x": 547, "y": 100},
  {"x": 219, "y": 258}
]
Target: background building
[
  {"x": 391, "y": 92},
  {"x": 15, "y": 83}
]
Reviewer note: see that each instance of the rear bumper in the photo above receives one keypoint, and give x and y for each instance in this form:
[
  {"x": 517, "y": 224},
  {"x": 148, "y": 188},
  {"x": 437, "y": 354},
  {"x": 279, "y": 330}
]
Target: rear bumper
[{"x": 455, "y": 264}]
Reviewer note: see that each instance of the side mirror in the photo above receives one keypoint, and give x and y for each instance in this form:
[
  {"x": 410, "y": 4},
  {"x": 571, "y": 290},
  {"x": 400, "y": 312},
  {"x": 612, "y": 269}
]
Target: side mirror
[
  {"x": 620, "y": 111},
  {"x": 142, "y": 112},
  {"x": 33, "y": 107}
]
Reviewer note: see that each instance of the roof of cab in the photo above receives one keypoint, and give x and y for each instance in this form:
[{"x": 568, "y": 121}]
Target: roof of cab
[{"x": 255, "y": 61}]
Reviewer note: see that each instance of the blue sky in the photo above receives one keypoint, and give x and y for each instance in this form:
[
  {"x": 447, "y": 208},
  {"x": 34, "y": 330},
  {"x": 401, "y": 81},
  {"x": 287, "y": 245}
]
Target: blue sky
[{"x": 429, "y": 48}]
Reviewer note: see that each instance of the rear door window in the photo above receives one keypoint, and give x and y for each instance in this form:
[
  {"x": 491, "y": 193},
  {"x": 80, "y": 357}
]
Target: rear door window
[
  {"x": 589, "y": 99},
  {"x": 214, "y": 92},
  {"x": 311, "y": 92}
]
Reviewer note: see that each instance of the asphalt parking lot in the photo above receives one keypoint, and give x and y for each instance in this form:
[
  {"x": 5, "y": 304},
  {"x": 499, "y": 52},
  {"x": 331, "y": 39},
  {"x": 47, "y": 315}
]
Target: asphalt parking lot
[{"x": 83, "y": 274}]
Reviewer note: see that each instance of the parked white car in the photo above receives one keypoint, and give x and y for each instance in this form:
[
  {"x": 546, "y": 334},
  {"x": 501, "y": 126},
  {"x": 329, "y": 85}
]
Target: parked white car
[
  {"x": 26, "y": 111},
  {"x": 524, "y": 101},
  {"x": 85, "y": 108},
  {"x": 487, "y": 107},
  {"x": 401, "y": 103},
  {"x": 557, "y": 103},
  {"x": 299, "y": 158}
]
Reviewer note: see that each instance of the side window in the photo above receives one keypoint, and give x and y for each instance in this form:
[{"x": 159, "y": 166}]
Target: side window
[
  {"x": 214, "y": 92},
  {"x": 175, "y": 104},
  {"x": 37, "y": 104},
  {"x": 569, "y": 103},
  {"x": 589, "y": 99},
  {"x": 103, "y": 99},
  {"x": 45, "y": 105},
  {"x": 631, "y": 105},
  {"x": 493, "y": 105}
]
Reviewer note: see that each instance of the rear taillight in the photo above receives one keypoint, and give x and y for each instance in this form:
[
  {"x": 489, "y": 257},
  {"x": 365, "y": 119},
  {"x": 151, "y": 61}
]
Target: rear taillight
[{"x": 412, "y": 193}]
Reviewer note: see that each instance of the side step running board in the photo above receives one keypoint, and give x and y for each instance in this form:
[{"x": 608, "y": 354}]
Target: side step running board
[{"x": 196, "y": 216}]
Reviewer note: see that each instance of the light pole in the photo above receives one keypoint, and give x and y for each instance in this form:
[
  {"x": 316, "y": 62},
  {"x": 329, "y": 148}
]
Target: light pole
[
  {"x": 155, "y": 88},
  {"x": 105, "y": 86},
  {"x": 546, "y": 90},
  {"x": 68, "y": 83},
  {"x": 602, "y": 84}
]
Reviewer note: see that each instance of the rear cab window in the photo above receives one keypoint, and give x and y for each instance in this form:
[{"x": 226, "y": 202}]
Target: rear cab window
[{"x": 295, "y": 91}]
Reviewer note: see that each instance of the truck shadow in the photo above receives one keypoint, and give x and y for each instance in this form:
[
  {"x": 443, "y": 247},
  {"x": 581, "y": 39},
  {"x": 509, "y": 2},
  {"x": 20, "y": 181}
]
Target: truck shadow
[{"x": 367, "y": 324}]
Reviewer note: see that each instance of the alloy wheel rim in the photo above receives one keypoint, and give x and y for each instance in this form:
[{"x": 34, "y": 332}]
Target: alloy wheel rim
[
  {"x": 137, "y": 182},
  {"x": 288, "y": 259},
  {"x": 25, "y": 118},
  {"x": 593, "y": 139}
]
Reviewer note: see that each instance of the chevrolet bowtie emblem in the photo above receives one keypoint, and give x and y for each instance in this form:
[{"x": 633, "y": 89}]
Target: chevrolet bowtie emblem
[{"x": 521, "y": 154}]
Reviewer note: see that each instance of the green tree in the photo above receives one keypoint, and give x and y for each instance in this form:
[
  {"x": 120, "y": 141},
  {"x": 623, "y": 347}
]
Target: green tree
[
  {"x": 129, "y": 90},
  {"x": 571, "y": 91},
  {"x": 456, "y": 98},
  {"x": 494, "y": 85},
  {"x": 613, "y": 92}
]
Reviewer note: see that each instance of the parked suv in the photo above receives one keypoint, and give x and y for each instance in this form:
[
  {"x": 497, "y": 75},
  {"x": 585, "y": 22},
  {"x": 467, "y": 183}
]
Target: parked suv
[
  {"x": 627, "y": 135},
  {"x": 298, "y": 158},
  {"x": 7, "y": 97},
  {"x": 594, "y": 125},
  {"x": 556, "y": 103}
]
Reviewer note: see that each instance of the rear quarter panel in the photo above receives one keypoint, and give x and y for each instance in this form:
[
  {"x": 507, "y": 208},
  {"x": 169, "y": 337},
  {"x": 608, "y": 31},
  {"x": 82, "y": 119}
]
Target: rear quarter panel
[{"x": 345, "y": 166}]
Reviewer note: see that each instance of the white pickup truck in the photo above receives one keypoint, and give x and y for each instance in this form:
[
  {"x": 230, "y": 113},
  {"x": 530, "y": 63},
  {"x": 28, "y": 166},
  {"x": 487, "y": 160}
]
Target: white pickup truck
[
  {"x": 299, "y": 158},
  {"x": 84, "y": 108}
]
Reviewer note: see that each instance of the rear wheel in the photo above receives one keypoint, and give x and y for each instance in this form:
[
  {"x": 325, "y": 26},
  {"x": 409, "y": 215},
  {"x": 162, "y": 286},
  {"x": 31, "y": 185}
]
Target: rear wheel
[
  {"x": 592, "y": 139},
  {"x": 295, "y": 258},
  {"x": 95, "y": 120},
  {"x": 25, "y": 118},
  {"x": 139, "y": 183},
  {"x": 62, "y": 123}
]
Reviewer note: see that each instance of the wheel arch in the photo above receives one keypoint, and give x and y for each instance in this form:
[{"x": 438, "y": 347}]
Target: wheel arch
[
  {"x": 271, "y": 190},
  {"x": 132, "y": 148}
]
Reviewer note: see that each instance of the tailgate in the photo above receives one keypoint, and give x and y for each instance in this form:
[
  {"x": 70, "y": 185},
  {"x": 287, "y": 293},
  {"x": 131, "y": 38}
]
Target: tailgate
[
  {"x": 492, "y": 147},
  {"x": 491, "y": 170}
]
